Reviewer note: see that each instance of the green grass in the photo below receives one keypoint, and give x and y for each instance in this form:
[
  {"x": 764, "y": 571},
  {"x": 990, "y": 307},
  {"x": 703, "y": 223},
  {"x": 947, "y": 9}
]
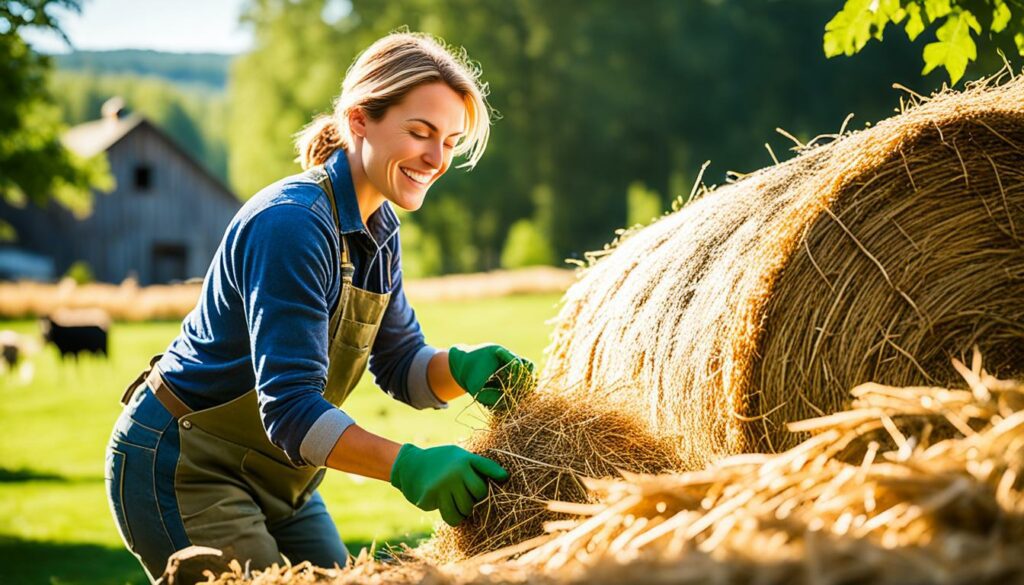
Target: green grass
[{"x": 55, "y": 526}]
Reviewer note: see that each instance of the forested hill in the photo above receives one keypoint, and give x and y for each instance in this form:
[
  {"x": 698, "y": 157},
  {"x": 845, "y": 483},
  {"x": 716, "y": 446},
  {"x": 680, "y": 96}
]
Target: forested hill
[
  {"x": 185, "y": 94},
  {"x": 203, "y": 69}
]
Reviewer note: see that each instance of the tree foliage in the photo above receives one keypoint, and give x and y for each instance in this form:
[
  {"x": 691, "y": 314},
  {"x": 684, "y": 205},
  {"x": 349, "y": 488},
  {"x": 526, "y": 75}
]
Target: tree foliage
[
  {"x": 526, "y": 246},
  {"x": 421, "y": 252},
  {"x": 592, "y": 97},
  {"x": 958, "y": 26},
  {"x": 34, "y": 165},
  {"x": 642, "y": 204}
]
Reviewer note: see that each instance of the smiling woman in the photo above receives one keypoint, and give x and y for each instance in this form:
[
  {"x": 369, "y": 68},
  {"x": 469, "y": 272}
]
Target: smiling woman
[
  {"x": 404, "y": 150},
  {"x": 224, "y": 439},
  {"x": 413, "y": 99}
]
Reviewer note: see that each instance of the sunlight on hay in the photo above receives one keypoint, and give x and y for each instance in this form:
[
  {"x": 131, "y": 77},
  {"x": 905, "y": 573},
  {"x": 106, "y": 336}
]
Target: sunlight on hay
[
  {"x": 870, "y": 497},
  {"x": 878, "y": 256},
  {"x": 548, "y": 444}
]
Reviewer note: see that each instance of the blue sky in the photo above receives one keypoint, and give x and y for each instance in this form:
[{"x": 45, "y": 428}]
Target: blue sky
[{"x": 165, "y": 25}]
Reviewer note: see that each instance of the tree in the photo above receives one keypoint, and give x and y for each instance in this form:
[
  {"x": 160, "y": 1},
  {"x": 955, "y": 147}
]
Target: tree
[
  {"x": 34, "y": 165},
  {"x": 291, "y": 74},
  {"x": 956, "y": 24},
  {"x": 421, "y": 253},
  {"x": 642, "y": 205},
  {"x": 526, "y": 246}
]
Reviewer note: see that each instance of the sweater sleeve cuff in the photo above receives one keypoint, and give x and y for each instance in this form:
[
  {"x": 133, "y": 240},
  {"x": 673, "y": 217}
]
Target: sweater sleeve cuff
[
  {"x": 420, "y": 394},
  {"x": 323, "y": 435}
]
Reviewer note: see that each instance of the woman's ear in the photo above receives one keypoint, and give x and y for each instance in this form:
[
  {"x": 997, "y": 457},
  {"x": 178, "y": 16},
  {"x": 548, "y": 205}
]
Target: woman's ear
[{"x": 357, "y": 122}]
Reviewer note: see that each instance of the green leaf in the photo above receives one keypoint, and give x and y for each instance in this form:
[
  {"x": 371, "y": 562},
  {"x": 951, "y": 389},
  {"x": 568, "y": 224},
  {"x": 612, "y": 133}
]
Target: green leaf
[
  {"x": 915, "y": 24},
  {"x": 955, "y": 46},
  {"x": 889, "y": 10},
  {"x": 850, "y": 29},
  {"x": 936, "y": 9},
  {"x": 882, "y": 12},
  {"x": 1000, "y": 16},
  {"x": 1018, "y": 39}
]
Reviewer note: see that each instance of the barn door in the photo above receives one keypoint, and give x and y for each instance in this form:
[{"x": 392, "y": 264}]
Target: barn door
[{"x": 170, "y": 262}]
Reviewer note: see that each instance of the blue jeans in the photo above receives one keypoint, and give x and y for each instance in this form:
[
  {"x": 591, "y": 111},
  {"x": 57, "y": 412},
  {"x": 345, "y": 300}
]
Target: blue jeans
[{"x": 140, "y": 465}]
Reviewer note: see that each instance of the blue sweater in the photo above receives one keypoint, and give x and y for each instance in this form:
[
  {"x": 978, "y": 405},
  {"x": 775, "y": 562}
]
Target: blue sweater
[{"x": 262, "y": 317}]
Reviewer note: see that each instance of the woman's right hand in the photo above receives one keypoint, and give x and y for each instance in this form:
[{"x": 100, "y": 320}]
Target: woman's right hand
[{"x": 448, "y": 478}]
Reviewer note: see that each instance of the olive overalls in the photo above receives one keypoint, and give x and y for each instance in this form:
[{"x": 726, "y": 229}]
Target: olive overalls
[{"x": 230, "y": 487}]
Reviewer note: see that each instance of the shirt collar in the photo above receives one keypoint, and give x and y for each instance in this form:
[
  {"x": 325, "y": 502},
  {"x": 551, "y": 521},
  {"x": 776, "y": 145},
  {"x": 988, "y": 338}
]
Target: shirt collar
[{"x": 381, "y": 225}]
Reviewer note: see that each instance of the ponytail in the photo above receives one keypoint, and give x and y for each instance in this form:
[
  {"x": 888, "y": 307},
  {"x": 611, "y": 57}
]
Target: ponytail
[{"x": 318, "y": 141}]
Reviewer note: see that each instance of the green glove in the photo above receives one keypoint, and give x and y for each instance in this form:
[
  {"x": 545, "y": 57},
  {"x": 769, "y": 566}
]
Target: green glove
[
  {"x": 448, "y": 478},
  {"x": 483, "y": 370}
]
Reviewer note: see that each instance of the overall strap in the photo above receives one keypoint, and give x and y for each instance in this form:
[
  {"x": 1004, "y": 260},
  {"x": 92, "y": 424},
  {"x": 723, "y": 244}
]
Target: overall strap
[
  {"x": 161, "y": 390},
  {"x": 324, "y": 181}
]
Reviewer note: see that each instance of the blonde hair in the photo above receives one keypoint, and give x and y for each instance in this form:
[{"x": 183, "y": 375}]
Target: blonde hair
[{"x": 381, "y": 76}]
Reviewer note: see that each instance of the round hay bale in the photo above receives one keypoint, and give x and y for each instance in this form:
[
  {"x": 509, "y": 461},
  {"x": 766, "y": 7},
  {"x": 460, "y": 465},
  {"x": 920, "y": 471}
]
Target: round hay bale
[{"x": 876, "y": 257}]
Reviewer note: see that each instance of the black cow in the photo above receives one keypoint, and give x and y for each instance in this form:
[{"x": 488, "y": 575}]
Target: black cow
[
  {"x": 76, "y": 331},
  {"x": 10, "y": 348}
]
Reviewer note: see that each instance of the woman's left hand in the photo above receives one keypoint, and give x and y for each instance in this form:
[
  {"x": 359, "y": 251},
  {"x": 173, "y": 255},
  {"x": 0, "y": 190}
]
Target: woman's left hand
[{"x": 488, "y": 371}]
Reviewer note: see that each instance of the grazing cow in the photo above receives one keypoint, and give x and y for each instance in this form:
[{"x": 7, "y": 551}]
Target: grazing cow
[
  {"x": 74, "y": 331},
  {"x": 10, "y": 348}
]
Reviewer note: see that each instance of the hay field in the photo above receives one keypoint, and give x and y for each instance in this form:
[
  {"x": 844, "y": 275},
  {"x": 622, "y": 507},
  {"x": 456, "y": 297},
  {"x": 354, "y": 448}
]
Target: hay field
[
  {"x": 54, "y": 522},
  {"x": 130, "y": 302}
]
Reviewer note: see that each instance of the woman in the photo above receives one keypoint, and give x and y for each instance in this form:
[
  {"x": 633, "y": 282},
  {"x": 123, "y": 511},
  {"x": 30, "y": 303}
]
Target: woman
[{"x": 224, "y": 439}]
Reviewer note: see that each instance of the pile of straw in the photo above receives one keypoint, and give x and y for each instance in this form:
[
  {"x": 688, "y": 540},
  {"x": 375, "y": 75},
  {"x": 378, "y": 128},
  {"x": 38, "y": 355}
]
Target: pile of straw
[
  {"x": 877, "y": 256},
  {"x": 549, "y": 445},
  {"x": 870, "y": 497},
  {"x": 862, "y": 500}
]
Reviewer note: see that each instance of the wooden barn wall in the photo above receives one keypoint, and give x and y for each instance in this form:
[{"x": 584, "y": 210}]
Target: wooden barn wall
[
  {"x": 182, "y": 206},
  {"x": 40, "y": 232}
]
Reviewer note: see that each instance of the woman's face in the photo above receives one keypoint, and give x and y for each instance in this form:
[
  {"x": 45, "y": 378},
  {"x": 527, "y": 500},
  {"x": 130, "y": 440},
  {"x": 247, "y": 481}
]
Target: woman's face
[{"x": 408, "y": 149}]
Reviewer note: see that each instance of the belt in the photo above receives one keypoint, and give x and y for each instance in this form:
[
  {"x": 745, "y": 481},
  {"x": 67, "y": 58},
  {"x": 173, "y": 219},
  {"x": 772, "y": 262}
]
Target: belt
[{"x": 161, "y": 389}]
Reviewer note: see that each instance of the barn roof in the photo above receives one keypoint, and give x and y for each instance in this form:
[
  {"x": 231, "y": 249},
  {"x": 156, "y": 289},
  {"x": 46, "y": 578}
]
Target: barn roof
[{"x": 91, "y": 138}]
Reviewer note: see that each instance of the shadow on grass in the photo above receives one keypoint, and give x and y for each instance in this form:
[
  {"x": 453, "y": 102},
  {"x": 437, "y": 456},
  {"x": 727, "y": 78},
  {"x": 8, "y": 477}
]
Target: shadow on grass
[
  {"x": 34, "y": 561},
  {"x": 25, "y": 475},
  {"x": 67, "y": 563}
]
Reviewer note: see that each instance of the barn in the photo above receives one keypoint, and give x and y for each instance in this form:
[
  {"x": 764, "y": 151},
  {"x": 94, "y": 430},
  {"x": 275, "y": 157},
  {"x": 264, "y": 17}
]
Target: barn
[{"x": 162, "y": 222}]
